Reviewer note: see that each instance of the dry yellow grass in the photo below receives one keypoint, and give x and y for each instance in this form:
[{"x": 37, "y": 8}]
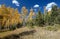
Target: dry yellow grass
[
  {"x": 17, "y": 31},
  {"x": 40, "y": 33}
]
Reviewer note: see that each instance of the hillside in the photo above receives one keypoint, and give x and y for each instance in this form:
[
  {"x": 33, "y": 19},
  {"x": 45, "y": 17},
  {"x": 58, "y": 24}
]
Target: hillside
[{"x": 30, "y": 33}]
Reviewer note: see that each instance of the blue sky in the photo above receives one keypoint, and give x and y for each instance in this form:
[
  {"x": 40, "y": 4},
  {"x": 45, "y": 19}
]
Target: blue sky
[{"x": 28, "y": 3}]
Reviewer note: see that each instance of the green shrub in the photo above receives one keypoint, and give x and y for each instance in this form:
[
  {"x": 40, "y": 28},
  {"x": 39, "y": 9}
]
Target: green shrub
[
  {"x": 51, "y": 28},
  {"x": 19, "y": 25},
  {"x": 12, "y": 27}
]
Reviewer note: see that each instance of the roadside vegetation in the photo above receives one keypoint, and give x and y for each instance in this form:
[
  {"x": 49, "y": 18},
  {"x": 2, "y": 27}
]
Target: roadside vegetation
[{"x": 11, "y": 19}]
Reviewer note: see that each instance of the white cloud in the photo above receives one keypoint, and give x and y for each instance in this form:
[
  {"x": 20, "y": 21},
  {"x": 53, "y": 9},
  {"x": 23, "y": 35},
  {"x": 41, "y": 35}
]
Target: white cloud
[
  {"x": 49, "y": 6},
  {"x": 15, "y": 2},
  {"x": 36, "y": 5}
]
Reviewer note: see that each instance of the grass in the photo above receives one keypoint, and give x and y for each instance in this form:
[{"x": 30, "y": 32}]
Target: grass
[
  {"x": 17, "y": 31},
  {"x": 53, "y": 28},
  {"x": 50, "y": 28},
  {"x": 47, "y": 32}
]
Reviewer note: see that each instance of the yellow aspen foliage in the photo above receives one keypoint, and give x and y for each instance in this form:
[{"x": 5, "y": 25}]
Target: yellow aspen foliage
[
  {"x": 7, "y": 23},
  {"x": 31, "y": 14},
  {"x": 24, "y": 11},
  {"x": 49, "y": 13},
  {"x": 9, "y": 16}
]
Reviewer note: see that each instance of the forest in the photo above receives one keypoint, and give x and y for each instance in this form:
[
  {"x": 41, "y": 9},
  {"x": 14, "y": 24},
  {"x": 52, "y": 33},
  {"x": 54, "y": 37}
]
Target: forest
[
  {"x": 45, "y": 23},
  {"x": 11, "y": 18}
]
